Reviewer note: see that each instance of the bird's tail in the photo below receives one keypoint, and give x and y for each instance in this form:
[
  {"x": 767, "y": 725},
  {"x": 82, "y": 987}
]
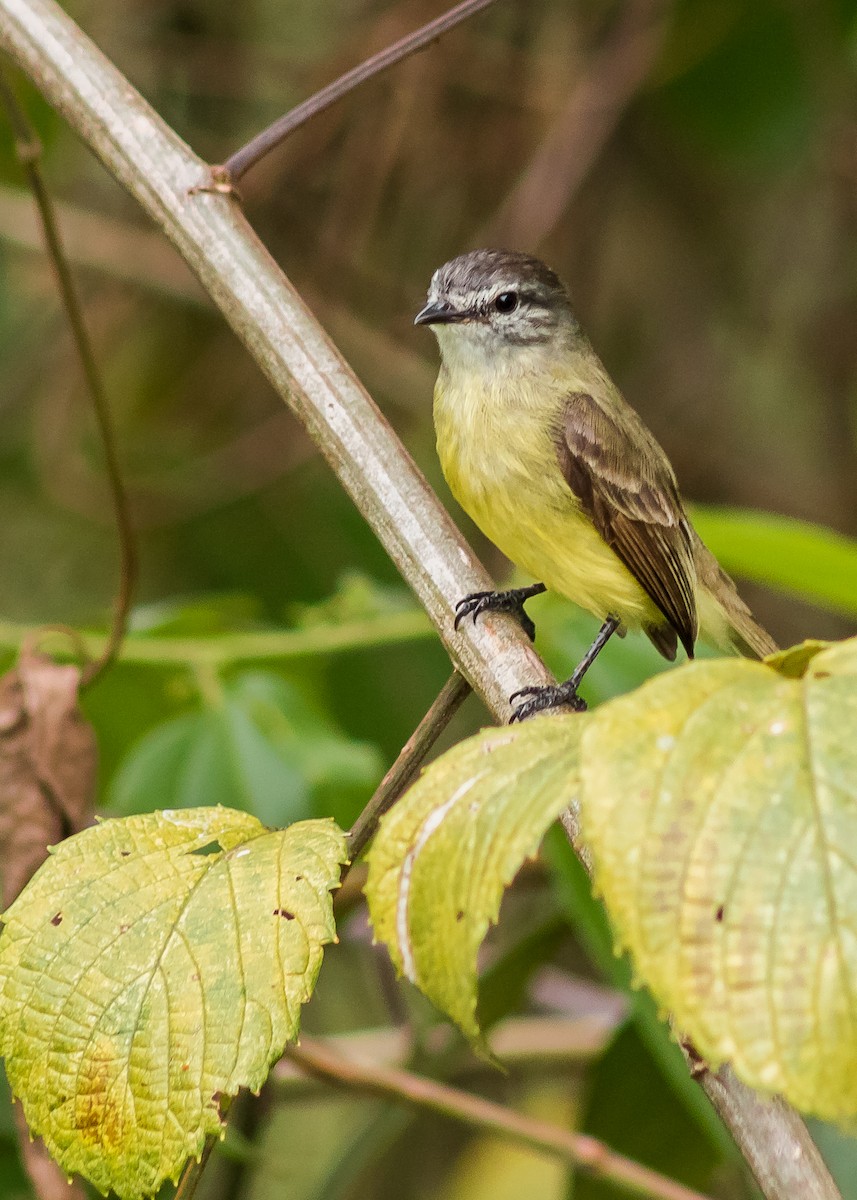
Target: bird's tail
[
  {"x": 748, "y": 637},
  {"x": 728, "y": 621}
]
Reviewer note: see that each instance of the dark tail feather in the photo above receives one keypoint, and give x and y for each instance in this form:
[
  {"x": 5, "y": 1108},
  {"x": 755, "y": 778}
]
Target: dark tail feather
[{"x": 664, "y": 639}]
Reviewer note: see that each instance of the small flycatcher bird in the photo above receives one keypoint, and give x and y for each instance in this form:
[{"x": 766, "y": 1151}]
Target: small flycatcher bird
[{"x": 541, "y": 450}]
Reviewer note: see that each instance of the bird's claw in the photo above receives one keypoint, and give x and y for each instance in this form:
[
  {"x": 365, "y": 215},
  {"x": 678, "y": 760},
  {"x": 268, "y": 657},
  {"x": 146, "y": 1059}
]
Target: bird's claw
[
  {"x": 512, "y": 601},
  {"x": 472, "y": 604},
  {"x": 542, "y": 699}
]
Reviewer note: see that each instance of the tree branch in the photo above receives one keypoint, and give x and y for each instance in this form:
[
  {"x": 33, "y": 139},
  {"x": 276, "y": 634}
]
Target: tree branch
[
  {"x": 406, "y": 767},
  {"x": 583, "y": 1151},
  {"x": 772, "y": 1138},
  {"x": 303, "y": 365},
  {"x": 242, "y": 160},
  {"x": 529, "y": 1044}
]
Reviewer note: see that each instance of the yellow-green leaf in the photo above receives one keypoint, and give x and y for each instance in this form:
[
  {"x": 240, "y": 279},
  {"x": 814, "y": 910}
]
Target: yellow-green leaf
[
  {"x": 719, "y": 803},
  {"x": 153, "y": 965},
  {"x": 794, "y": 661},
  {"x": 445, "y": 853}
]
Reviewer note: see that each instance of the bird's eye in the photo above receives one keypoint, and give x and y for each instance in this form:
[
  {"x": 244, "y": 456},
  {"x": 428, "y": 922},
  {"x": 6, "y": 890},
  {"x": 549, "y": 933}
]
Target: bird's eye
[{"x": 506, "y": 302}]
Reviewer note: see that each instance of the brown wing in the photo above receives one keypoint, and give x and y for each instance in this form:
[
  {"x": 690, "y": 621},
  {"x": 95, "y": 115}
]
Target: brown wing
[{"x": 625, "y": 484}]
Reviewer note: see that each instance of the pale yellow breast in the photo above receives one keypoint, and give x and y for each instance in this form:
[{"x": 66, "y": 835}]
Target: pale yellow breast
[{"x": 497, "y": 449}]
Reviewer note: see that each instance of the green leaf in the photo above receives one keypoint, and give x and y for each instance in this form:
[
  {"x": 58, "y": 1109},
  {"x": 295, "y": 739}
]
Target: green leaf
[
  {"x": 630, "y": 1106},
  {"x": 268, "y": 750},
  {"x": 304, "y": 735},
  {"x": 719, "y": 803},
  {"x": 445, "y": 853},
  {"x": 746, "y": 98},
  {"x": 196, "y": 616},
  {"x": 794, "y": 661},
  {"x": 793, "y": 556},
  {"x": 593, "y": 930},
  {"x": 358, "y": 597},
  {"x": 151, "y": 966},
  {"x": 839, "y": 1151},
  {"x": 219, "y": 756}
]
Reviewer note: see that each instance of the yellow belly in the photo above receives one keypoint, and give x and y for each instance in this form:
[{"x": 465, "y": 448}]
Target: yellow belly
[{"x": 500, "y": 461}]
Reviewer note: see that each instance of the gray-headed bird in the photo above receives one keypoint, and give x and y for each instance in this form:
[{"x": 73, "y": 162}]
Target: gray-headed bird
[{"x": 541, "y": 450}]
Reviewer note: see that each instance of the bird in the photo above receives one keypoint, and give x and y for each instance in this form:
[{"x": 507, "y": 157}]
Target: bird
[{"x": 542, "y": 451}]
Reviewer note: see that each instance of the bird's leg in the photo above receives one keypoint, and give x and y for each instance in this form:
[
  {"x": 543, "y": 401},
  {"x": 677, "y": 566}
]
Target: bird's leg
[
  {"x": 511, "y": 601},
  {"x": 541, "y": 698}
]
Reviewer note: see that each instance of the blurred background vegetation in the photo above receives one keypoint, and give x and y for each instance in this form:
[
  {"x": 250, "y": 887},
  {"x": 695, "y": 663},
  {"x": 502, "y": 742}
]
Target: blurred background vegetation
[{"x": 690, "y": 168}]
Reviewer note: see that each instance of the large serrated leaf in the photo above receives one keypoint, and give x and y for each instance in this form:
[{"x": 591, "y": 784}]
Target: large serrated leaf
[
  {"x": 444, "y": 855},
  {"x": 151, "y": 966},
  {"x": 720, "y": 806}
]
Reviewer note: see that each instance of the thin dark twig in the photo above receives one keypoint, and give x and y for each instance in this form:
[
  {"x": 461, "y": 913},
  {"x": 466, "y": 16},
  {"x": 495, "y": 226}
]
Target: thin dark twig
[
  {"x": 406, "y": 767},
  {"x": 242, "y": 160},
  {"x": 29, "y": 150},
  {"x": 585, "y": 1152},
  {"x": 193, "y": 1169}
]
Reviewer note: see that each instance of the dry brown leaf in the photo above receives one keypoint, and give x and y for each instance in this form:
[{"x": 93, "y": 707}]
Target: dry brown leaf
[{"x": 48, "y": 761}]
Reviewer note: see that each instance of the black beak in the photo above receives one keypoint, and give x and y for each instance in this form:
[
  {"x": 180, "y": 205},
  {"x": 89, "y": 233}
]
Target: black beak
[{"x": 438, "y": 314}]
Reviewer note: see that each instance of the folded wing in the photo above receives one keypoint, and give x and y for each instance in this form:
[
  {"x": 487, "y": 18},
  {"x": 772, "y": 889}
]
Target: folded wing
[{"x": 626, "y": 486}]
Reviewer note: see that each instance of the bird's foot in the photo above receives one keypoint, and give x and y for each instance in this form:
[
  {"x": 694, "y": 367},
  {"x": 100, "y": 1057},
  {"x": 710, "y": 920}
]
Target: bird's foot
[
  {"x": 511, "y": 601},
  {"x": 542, "y": 699}
]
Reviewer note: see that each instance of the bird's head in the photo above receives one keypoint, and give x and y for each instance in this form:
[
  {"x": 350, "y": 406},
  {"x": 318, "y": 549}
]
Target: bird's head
[{"x": 491, "y": 301}]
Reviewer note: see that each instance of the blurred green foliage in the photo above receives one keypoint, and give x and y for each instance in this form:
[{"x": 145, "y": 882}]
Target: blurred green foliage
[
  {"x": 711, "y": 252},
  {"x": 263, "y": 746}
]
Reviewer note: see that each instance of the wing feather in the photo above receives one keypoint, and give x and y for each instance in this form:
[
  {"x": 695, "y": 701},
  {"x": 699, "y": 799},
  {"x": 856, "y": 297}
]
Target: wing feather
[{"x": 626, "y": 485}]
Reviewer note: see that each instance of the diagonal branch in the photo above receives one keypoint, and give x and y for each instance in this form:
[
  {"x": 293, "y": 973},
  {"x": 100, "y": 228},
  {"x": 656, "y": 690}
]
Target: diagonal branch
[
  {"x": 242, "y": 160},
  {"x": 409, "y": 762},
  {"x": 582, "y": 1151},
  {"x": 305, "y": 368}
]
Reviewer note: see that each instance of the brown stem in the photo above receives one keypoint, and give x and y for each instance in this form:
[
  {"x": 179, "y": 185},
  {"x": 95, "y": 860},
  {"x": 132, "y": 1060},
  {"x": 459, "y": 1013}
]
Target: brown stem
[
  {"x": 584, "y": 1152},
  {"x": 767, "y": 1130},
  {"x": 29, "y": 151},
  {"x": 242, "y": 160},
  {"x": 406, "y": 767},
  {"x": 528, "y": 1044}
]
